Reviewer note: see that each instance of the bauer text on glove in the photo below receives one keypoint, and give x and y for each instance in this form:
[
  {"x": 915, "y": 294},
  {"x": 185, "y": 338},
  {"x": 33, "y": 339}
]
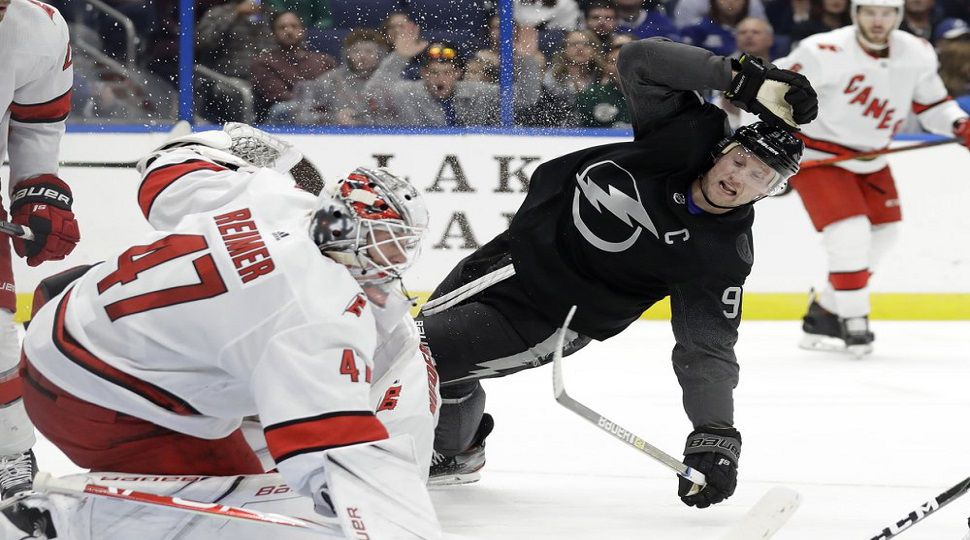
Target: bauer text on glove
[{"x": 43, "y": 203}]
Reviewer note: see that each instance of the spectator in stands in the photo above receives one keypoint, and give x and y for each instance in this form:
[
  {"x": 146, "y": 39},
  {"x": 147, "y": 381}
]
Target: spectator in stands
[
  {"x": 824, "y": 15},
  {"x": 575, "y": 67},
  {"x": 276, "y": 72},
  {"x": 621, "y": 39},
  {"x": 644, "y": 21},
  {"x": 754, "y": 36},
  {"x": 396, "y": 24},
  {"x": 717, "y": 34},
  {"x": 441, "y": 98},
  {"x": 229, "y": 35},
  {"x": 547, "y": 14},
  {"x": 920, "y": 16},
  {"x": 338, "y": 97},
  {"x": 691, "y": 12},
  {"x": 601, "y": 19},
  {"x": 785, "y": 14},
  {"x": 603, "y": 104},
  {"x": 483, "y": 66},
  {"x": 314, "y": 13},
  {"x": 952, "y": 38}
]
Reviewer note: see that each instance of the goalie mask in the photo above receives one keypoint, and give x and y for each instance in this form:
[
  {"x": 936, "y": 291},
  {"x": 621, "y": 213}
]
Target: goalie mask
[{"x": 372, "y": 222}]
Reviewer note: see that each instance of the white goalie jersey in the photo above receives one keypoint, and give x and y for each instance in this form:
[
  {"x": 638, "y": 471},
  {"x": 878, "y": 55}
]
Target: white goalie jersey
[
  {"x": 229, "y": 310},
  {"x": 863, "y": 100}
]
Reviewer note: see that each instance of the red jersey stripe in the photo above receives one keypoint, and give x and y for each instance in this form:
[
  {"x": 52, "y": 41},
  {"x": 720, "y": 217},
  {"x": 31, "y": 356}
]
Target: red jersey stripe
[
  {"x": 919, "y": 108},
  {"x": 75, "y": 352},
  {"x": 323, "y": 432},
  {"x": 157, "y": 180},
  {"x": 10, "y": 389},
  {"x": 54, "y": 110},
  {"x": 849, "y": 281}
]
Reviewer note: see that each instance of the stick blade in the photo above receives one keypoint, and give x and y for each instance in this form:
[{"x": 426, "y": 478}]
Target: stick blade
[
  {"x": 557, "y": 384},
  {"x": 769, "y": 514}
]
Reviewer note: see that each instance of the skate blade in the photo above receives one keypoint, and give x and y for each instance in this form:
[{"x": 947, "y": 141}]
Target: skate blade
[
  {"x": 455, "y": 479},
  {"x": 813, "y": 342}
]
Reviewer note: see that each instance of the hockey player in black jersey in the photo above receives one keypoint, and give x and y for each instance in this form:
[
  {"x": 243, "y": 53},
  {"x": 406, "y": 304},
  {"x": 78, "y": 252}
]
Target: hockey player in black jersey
[{"x": 613, "y": 229}]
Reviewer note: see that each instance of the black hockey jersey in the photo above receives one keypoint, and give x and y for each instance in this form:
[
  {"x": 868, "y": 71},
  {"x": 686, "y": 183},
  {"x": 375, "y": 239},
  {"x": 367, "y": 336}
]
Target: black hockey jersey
[{"x": 608, "y": 228}]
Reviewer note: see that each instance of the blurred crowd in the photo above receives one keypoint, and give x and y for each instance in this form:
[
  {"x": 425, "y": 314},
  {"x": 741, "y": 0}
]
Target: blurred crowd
[{"x": 432, "y": 62}]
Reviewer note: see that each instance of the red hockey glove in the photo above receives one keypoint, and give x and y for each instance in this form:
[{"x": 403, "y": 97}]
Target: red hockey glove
[
  {"x": 961, "y": 129},
  {"x": 43, "y": 203}
]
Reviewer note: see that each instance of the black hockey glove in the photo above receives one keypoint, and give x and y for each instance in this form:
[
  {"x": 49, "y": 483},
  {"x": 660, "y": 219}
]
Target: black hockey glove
[
  {"x": 714, "y": 452},
  {"x": 778, "y": 96}
]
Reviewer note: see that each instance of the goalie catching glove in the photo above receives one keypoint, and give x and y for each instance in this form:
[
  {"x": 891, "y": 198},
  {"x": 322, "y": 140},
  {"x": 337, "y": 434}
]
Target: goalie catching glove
[
  {"x": 778, "y": 96},
  {"x": 714, "y": 452},
  {"x": 43, "y": 203}
]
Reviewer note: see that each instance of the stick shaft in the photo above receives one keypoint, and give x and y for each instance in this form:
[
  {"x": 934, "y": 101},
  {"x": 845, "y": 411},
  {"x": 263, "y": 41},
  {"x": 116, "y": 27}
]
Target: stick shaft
[
  {"x": 924, "y": 510},
  {"x": 18, "y": 231},
  {"x": 607, "y": 425},
  {"x": 874, "y": 153}
]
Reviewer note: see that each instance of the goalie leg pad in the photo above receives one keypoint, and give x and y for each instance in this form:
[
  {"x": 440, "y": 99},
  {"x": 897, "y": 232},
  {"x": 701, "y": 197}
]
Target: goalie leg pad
[
  {"x": 377, "y": 491},
  {"x": 95, "y": 518}
]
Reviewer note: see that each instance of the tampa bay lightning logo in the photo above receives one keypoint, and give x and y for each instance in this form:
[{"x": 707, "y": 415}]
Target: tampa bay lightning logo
[{"x": 609, "y": 188}]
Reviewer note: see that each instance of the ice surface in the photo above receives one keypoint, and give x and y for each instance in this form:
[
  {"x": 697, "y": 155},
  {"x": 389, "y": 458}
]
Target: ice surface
[{"x": 863, "y": 441}]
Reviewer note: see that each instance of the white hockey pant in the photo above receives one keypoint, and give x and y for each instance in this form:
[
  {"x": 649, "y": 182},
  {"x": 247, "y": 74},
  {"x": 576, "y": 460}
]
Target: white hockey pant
[
  {"x": 16, "y": 431},
  {"x": 854, "y": 245}
]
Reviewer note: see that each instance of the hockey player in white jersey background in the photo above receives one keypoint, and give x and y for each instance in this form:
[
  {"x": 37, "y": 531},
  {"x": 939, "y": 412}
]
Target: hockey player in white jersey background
[
  {"x": 36, "y": 76},
  {"x": 251, "y": 298},
  {"x": 868, "y": 77}
]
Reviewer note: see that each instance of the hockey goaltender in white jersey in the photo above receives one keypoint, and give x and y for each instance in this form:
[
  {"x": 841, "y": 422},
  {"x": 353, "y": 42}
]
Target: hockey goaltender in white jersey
[{"x": 148, "y": 363}]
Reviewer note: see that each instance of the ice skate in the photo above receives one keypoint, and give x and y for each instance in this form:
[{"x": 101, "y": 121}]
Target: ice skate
[
  {"x": 825, "y": 331},
  {"x": 17, "y": 473},
  {"x": 465, "y": 468},
  {"x": 856, "y": 335},
  {"x": 822, "y": 329}
]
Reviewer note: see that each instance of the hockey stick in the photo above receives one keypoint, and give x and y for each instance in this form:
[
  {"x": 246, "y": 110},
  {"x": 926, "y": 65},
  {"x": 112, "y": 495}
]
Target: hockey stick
[
  {"x": 875, "y": 153},
  {"x": 77, "y": 487},
  {"x": 608, "y": 425},
  {"x": 924, "y": 510},
  {"x": 18, "y": 231}
]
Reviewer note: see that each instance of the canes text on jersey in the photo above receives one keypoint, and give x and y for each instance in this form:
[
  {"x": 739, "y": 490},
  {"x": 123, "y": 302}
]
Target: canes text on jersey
[
  {"x": 872, "y": 105},
  {"x": 244, "y": 244}
]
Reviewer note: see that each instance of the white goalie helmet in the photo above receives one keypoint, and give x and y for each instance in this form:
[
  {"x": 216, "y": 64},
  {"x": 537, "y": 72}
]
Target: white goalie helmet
[{"x": 371, "y": 222}]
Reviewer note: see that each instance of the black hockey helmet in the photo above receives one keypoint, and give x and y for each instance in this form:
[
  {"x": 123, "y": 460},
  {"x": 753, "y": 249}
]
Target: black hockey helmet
[{"x": 776, "y": 147}]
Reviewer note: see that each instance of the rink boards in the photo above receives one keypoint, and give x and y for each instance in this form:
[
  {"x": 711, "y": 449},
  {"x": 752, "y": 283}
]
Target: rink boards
[{"x": 474, "y": 183}]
